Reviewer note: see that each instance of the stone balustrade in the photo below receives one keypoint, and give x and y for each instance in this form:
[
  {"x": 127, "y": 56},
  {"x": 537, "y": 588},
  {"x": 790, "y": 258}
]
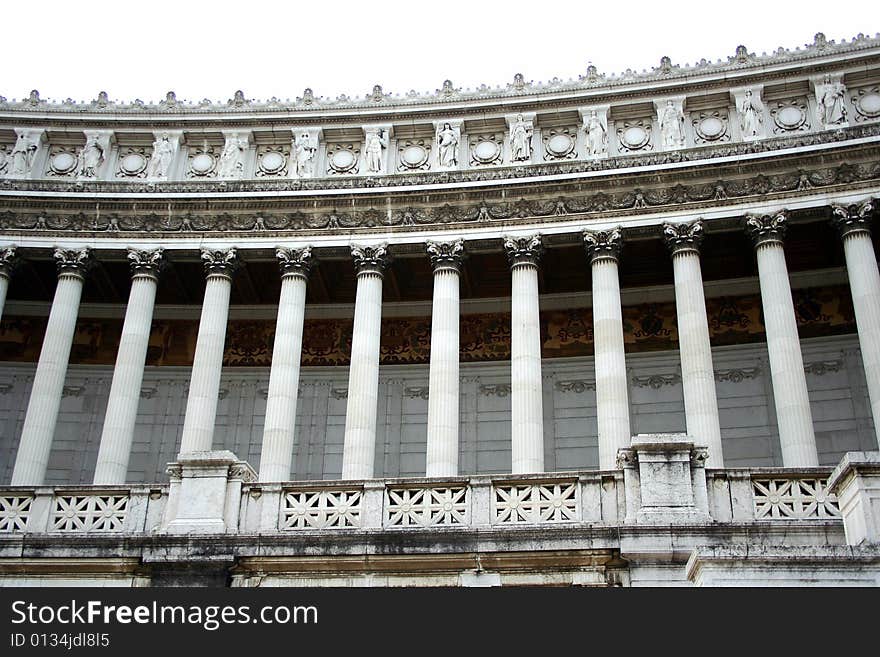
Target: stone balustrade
[
  {"x": 735, "y": 495},
  {"x": 82, "y": 509}
]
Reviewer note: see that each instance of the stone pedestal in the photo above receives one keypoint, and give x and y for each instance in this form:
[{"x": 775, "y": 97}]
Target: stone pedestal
[
  {"x": 856, "y": 482},
  {"x": 205, "y": 492},
  {"x": 665, "y": 480}
]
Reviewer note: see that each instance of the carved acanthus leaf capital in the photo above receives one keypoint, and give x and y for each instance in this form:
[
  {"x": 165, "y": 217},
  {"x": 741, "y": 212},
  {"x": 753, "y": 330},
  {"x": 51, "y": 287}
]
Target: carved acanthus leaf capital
[
  {"x": 446, "y": 255},
  {"x": 370, "y": 259},
  {"x": 854, "y": 218},
  {"x": 295, "y": 262},
  {"x": 74, "y": 262},
  {"x": 8, "y": 260},
  {"x": 523, "y": 250},
  {"x": 767, "y": 228},
  {"x": 221, "y": 262},
  {"x": 146, "y": 263},
  {"x": 603, "y": 244},
  {"x": 685, "y": 237}
]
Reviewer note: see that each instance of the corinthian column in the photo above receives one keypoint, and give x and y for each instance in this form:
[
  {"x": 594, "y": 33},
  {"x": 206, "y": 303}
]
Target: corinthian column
[
  {"x": 8, "y": 260},
  {"x": 793, "y": 416},
  {"x": 853, "y": 222},
  {"x": 125, "y": 390},
  {"x": 45, "y": 400},
  {"x": 204, "y": 386},
  {"x": 697, "y": 373},
  {"x": 443, "y": 420},
  {"x": 277, "y": 449},
  {"x": 612, "y": 396},
  {"x": 359, "y": 448},
  {"x": 526, "y": 395}
]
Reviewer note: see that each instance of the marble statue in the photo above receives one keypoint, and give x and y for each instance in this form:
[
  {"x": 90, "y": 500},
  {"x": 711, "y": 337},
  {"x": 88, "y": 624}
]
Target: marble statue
[
  {"x": 232, "y": 158},
  {"x": 447, "y": 146},
  {"x": 305, "y": 152},
  {"x": 23, "y": 154},
  {"x": 750, "y": 120},
  {"x": 832, "y": 107},
  {"x": 163, "y": 154},
  {"x": 91, "y": 157},
  {"x": 520, "y": 140},
  {"x": 672, "y": 126},
  {"x": 597, "y": 135},
  {"x": 377, "y": 142}
]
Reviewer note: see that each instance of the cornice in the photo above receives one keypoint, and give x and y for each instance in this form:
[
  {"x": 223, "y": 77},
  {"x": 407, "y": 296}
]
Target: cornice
[
  {"x": 448, "y": 98},
  {"x": 716, "y": 190}
]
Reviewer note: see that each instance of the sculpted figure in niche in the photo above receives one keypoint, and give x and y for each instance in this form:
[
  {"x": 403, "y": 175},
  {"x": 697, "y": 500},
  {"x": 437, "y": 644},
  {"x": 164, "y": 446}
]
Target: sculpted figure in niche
[
  {"x": 750, "y": 120},
  {"x": 232, "y": 158},
  {"x": 597, "y": 136},
  {"x": 520, "y": 141},
  {"x": 447, "y": 146},
  {"x": 672, "y": 126},
  {"x": 163, "y": 153},
  {"x": 90, "y": 158},
  {"x": 305, "y": 151},
  {"x": 832, "y": 109},
  {"x": 23, "y": 154},
  {"x": 376, "y": 143}
]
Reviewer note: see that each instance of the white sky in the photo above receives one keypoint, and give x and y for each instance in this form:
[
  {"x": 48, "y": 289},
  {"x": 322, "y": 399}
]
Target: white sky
[{"x": 143, "y": 48}]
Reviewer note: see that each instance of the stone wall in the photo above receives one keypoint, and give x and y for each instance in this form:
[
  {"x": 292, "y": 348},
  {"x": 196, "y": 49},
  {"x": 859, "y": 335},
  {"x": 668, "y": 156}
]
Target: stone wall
[{"x": 841, "y": 414}]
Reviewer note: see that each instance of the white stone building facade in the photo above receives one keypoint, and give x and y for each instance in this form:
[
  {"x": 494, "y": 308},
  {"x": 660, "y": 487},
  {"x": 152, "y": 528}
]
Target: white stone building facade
[{"x": 615, "y": 331}]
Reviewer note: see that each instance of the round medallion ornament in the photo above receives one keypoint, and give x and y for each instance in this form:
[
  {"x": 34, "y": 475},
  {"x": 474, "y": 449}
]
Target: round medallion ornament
[
  {"x": 62, "y": 163},
  {"x": 486, "y": 151},
  {"x": 272, "y": 162},
  {"x": 560, "y": 145},
  {"x": 343, "y": 160},
  {"x": 133, "y": 164},
  {"x": 414, "y": 156},
  {"x": 790, "y": 117},
  {"x": 710, "y": 128},
  {"x": 635, "y": 137},
  {"x": 202, "y": 164},
  {"x": 869, "y": 104}
]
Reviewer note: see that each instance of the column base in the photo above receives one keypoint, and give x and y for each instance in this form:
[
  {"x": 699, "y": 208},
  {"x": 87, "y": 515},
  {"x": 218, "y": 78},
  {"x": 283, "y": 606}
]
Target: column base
[{"x": 205, "y": 492}]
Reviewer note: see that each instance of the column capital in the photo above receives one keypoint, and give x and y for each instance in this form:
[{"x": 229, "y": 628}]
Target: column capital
[
  {"x": 854, "y": 218},
  {"x": 684, "y": 237},
  {"x": 523, "y": 250},
  {"x": 603, "y": 244},
  {"x": 767, "y": 228},
  {"x": 146, "y": 263},
  {"x": 74, "y": 262},
  {"x": 8, "y": 260},
  {"x": 370, "y": 259},
  {"x": 294, "y": 262},
  {"x": 222, "y": 262},
  {"x": 446, "y": 255}
]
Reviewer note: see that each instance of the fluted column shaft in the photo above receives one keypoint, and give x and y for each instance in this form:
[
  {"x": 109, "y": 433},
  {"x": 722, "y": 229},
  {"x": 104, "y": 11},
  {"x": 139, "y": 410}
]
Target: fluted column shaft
[
  {"x": 443, "y": 393},
  {"x": 276, "y": 454},
  {"x": 697, "y": 372},
  {"x": 359, "y": 447},
  {"x": 526, "y": 395},
  {"x": 795, "y": 422},
  {"x": 864, "y": 282},
  {"x": 204, "y": 386},
  {"x": 45, "y": 400},
  {"x": 122, "y": 406},
  {"x": 612, "y": 393}
]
